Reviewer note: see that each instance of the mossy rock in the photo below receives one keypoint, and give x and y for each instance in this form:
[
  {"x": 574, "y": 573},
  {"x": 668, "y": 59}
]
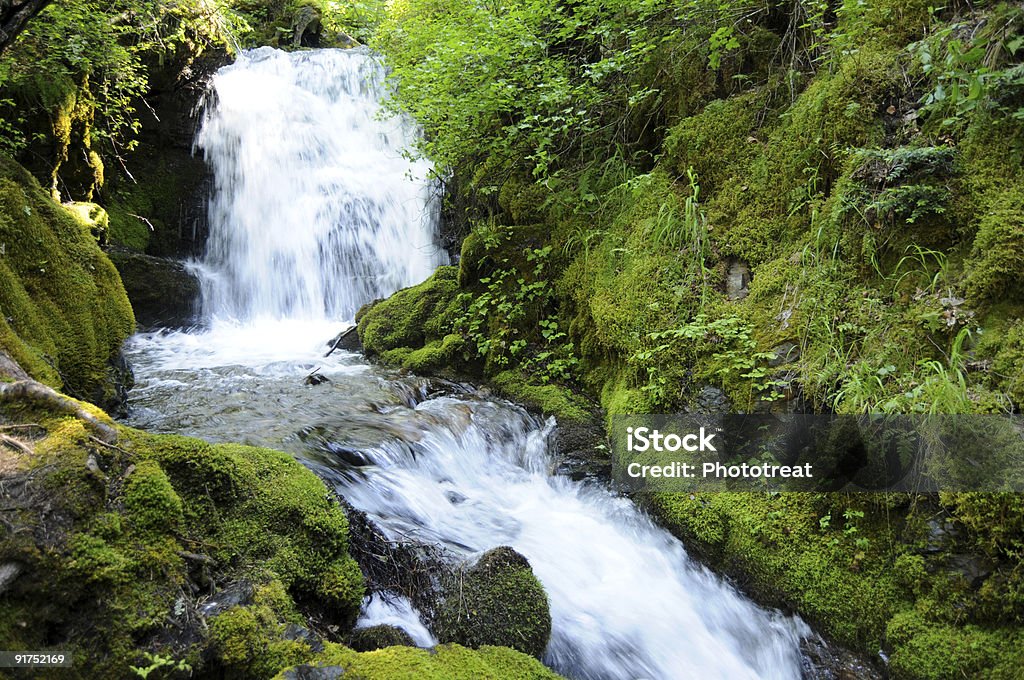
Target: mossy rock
[
  {"x": 163, "y": 292},
  {"x": 498, "y": 601},
  {"x": 121, "y": 544},
  {"x": 63, "y": 310},
  {"x": 378, "y": 637},
  {"x": 445, "y": 662},
  {"x": 413, "y": 328}
]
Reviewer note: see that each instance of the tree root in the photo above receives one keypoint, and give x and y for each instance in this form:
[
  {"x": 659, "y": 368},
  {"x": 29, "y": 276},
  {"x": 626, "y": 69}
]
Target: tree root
[{"x": 38, "y": 393}]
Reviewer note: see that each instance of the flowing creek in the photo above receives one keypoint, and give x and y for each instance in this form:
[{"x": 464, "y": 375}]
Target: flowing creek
[{"x": 316, "y": 211}]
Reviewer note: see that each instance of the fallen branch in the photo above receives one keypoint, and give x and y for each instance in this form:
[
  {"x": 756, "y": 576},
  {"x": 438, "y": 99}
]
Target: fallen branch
[
  {"x": 341, "y": 336},
  {"x": 38, "y": 393}
]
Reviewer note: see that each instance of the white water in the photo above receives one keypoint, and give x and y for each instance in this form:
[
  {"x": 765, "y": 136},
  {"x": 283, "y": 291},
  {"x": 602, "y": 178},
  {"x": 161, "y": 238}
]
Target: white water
[
  {"x": 314, "y": 214},
  {"x": 315, "y": 210}
]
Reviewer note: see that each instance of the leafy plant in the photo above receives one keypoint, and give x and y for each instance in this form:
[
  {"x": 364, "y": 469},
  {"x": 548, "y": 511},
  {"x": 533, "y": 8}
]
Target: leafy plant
[
  {"x": 968, "y": 75},
  {"x": 158, "y": 662},
  {"x": 509, "y": 321},
  {"x": 733, "y": 350}
]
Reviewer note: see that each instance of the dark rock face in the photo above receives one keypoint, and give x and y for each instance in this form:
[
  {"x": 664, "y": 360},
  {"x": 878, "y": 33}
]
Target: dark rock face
[
  {"x": 737, "y": 280},
  {"x": 348, "y": 340},
  {"x": 162, "y": 291},
  {"x": 583, "y": 451},
  {"x": 158, "y": 200},
  {"x": 307, "y": 672},
  {"x": 120, "y": 379},
  {"x": 822, "y": 661}
]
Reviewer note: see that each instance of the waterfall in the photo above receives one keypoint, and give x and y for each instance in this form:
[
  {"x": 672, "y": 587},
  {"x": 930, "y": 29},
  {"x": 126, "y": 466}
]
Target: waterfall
[{"x": 315, "y": 210}]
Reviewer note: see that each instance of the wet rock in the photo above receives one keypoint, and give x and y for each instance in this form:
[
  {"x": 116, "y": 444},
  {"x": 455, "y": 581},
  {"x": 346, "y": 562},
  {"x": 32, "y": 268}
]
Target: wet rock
[
  {"x": 497, "y": 601},
  {"x": 596, "y": 469},
  {"x": 347, "y": 340},
  {"x": 737, "y": 280},
  {"x": 378, "y": 637},
  {"x": 236, "y": 594},
  {"x": 294, "y": 631},
  {"x": 348, "y": 455},
  {"x": 306, "y": 28},
  {"x": 822, "y": 661},
  {"x": 583, "y": 451},
  {"x": 972, "y": 568},
  {"x": 9, "y": 572},
  {"x": 941, "y": 535},
  {"x": 120, "y": 379},
  {"x": 710, "y": 400},
  {"x": 162, "y": 291},
  {"x": 307, "y": 672},
  {"x": 316, "y": 378},
  {"x": 785, "y": 353}
]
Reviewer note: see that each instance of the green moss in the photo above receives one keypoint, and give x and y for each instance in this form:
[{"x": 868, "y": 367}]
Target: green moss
[
  {"x": 63, "y": 311},
  {"x": 150, "y": 501},
  {"x": 341, "y": 586},
  {"x": 378, "y": 637},
  {"x": 445, "y": 662},
  {"x": 717, "y": 141},
  {"x": 168, "y": 514},
  {"x": 404, "y": 319},
  {"x": 551, "y": 399},
  {"x": 247, "y": 643},
  {"x": 498, "y": 601},
  {"x": 776, "y": 545},
  {"x": 1008, "y": 364},
  {"x": 933, "y": 652},
  {"x": 436, "y": 356},
  {"x": 996, "y": 269}
]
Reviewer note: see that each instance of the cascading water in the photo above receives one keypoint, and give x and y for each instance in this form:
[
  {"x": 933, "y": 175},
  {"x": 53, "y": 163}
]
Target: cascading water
[
  {"x": 315, "y": 210},
  {"x": 314, "y": 214}
]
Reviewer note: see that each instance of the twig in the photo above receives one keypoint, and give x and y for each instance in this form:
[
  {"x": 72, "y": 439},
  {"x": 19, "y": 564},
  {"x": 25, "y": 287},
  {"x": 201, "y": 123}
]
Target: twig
[{"x": 341, "y": 336}]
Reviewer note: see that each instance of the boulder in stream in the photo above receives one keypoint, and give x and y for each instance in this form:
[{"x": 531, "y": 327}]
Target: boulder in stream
[
  {"x": 497, "y": 601},
  {"x": 378, "y": 637}
]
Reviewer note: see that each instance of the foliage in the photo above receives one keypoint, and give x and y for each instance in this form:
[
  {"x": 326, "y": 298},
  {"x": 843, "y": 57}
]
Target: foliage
[
  {"x": 541, "y": 85},
  {"x": 500, "y": 322},
  {"x": 973, "y": 67},
  {"x": 157, "y": 662},
  {"x": 732, "y": 349},
  {"x": 95, "y": 53}
]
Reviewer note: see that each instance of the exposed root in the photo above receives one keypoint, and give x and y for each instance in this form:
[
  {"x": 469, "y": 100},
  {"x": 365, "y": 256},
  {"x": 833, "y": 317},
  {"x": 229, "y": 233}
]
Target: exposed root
[{"x": 38, "y": 393}]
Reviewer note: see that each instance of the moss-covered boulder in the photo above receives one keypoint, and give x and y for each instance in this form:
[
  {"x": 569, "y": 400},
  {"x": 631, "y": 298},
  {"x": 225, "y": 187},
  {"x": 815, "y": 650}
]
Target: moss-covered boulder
[
  {"x": 63, "y": 310},
  {"x": 126, "y": 549},
  {"x": 378, "y": 637},
  {"x": 414, "y": 328},
  {"x": 446, "y": 662},
  {"x": 497, "y": 601}
]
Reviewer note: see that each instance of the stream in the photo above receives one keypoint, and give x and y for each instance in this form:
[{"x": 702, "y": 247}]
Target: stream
[{"x": 316, "y": 210}]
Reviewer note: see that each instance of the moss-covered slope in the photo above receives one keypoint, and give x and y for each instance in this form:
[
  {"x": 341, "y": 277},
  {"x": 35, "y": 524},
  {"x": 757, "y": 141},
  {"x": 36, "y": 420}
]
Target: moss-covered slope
[
  {"x": 63, "y": 311},
  {"x": 806, "y": 219}
]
